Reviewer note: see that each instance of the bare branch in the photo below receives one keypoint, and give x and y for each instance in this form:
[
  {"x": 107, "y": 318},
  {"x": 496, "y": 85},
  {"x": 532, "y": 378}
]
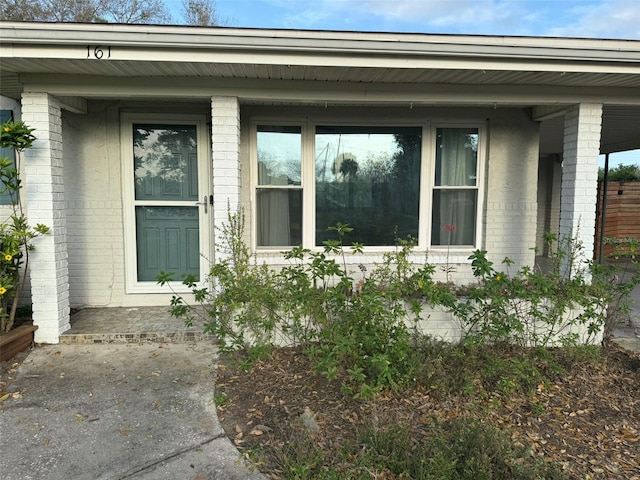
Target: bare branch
[{"x": 201, "y": 12}]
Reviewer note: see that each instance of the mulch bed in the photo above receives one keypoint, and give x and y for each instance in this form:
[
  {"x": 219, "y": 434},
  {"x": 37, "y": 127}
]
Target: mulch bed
[{"x": 587, "y": 420}]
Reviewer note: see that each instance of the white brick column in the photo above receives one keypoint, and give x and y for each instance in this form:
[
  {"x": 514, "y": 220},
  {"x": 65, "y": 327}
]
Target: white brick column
[
  {"x": 582, "y": 126},
  {"x": 48, "y": 263},
  {"x": 225, "y": 135}
]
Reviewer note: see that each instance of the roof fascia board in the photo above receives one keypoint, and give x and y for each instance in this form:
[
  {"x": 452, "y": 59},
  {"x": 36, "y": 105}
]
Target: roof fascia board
[
  {"x": 331, "y": 92},
  {"x": 314, "y": 43}
]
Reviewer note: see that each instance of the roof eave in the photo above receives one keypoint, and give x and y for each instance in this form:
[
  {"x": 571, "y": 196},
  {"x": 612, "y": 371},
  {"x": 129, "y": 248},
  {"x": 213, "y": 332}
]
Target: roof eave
[{"x": 158, "y": 38}]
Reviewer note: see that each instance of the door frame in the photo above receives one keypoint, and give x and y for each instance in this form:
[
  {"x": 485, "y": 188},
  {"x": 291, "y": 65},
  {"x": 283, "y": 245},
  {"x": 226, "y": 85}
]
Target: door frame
[{"x": 205, "y": 187}]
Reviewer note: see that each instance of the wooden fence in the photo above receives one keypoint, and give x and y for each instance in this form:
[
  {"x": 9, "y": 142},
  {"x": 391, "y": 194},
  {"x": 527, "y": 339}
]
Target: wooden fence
[{"x": 622, "y": 215}]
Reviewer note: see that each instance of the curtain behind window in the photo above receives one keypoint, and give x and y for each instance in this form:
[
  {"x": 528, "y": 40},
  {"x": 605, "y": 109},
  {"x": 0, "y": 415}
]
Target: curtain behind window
[
  {"x": 454, "y": 209},
  {"x": 279, "y": 192}
]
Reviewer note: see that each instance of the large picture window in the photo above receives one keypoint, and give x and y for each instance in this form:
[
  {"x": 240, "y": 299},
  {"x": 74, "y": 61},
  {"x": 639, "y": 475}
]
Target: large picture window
[
  {"x": 386, "y": 182},
  {"x": 368, "y": 177}
]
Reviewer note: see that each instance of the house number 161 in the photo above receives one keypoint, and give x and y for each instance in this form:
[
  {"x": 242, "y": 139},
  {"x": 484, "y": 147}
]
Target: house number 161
[{"x": 98, "y": 52}]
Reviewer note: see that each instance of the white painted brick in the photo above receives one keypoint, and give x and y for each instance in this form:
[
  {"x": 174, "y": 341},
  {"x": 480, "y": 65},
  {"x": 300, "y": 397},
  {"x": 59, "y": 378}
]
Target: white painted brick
[
  {"x": 580, "y": 165},
  {"x": 49, "y": 277},
  {"x": 225, "y": 135}
]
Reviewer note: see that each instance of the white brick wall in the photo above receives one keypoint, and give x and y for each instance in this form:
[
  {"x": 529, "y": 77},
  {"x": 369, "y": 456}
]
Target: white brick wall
[
  {"x": 511, "y": 229},
  {"x": 511, "y": 190},
  {"x": 45, "y": 204},
  {"x": 582, "y": 127},
  {"x": 225, "y": 139}
]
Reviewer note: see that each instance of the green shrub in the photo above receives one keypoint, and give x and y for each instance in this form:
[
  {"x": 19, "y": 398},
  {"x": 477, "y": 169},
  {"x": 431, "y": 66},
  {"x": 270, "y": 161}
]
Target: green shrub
[
  {"x": 532, "y": 308},
  {"x": 621, "y": 173},
  {"x": 355, "y": 330},
  {"x": 458, "y": 449},
  {"x": 360, "y": 330},
  {"x": 16, "y": 235}
]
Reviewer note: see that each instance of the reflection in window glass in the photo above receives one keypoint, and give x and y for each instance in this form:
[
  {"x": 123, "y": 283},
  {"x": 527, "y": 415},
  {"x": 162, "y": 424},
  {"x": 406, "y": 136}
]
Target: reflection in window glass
[
  {"x": 279, "y": 192},
  {"x": 166, "y": 162},
  {"x": 368, "y": 177},
  {"x": 455, "y": 194},
  {"x": 279, "y": 155}
]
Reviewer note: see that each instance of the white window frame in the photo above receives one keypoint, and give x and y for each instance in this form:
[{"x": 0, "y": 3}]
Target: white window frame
[
  {"x": 427, "y": 177},
  {"x": 480, "y": 185},
  {"x": 253, "y": 149},
  {"x": 132, "y": 285}
]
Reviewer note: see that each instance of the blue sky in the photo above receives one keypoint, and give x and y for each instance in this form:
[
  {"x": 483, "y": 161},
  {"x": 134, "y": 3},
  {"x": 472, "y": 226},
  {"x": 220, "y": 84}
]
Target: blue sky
[
  {"x": 565, "y": 18},
  {"x": 561, "y": 18}
]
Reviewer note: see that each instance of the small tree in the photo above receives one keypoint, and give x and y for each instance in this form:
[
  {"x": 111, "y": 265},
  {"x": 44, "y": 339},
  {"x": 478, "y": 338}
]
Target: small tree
[
  {"x": 96, "y": 11},
  {"x": 621, "y": 173},
  {"x": 194, "y": 12},
  {"x": 202, "y": 13},
  {"x": 15, "y": 233}
]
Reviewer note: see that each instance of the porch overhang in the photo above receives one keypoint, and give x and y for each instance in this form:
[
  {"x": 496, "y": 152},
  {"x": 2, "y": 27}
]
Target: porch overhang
[
  {"x": 585, "y": 94},
  {"x": 269, "y": 66}
]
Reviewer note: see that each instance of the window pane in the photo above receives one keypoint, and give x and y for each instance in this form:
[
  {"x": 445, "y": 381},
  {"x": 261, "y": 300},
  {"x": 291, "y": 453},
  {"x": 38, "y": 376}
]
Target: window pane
[
  {"x": 456, "y": 156},
  {"x": 368, "y": 177},
  {"x": 166, "y": 162},
  {"x": 454, "y": 217},
  {"x": 279, "y": 155},
  {"x": 279, "y": 217}
]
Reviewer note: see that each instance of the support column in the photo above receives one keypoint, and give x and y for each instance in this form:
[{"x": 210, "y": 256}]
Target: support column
[
  {"x": 225, "y": 134},
  {"x": 48, "y": 262},
  {"x": 582, "y": 126}
]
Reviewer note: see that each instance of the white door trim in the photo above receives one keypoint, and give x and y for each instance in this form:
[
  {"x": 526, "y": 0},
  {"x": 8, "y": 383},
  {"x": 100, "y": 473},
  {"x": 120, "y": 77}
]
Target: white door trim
[{"x": 205, "y": 188}]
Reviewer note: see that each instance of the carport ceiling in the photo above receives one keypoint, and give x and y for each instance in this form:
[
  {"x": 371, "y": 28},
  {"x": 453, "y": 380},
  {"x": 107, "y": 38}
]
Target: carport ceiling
[{"x": 620, "y": 131}]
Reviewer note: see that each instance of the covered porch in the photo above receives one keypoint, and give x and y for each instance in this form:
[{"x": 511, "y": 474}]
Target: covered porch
[{"x": 564, "y": 101}]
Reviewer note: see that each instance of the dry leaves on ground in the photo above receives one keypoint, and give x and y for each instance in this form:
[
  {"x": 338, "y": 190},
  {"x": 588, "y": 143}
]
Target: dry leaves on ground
[{"x": 587, "y": 420}]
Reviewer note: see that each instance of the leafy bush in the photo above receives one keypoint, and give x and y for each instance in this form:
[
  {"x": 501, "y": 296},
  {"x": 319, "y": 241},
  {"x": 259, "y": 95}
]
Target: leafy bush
[
  {"x": 532, "y": 308},
  {"x": 346, "y": 326},
  {"x": 622, "y": 272},
  {"x": 457, "y": 449},
  {"x": 361, "y": 330},
  {"x": 16, "y": 234}
]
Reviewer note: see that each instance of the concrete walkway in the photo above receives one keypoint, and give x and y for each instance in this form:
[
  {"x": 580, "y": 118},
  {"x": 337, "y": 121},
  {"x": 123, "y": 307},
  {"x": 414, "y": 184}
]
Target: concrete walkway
[{"x": 116, "y": 411}]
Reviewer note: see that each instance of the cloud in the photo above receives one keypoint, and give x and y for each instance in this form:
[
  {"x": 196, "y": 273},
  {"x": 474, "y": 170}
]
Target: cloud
[
  {"x": 607, "y": 19},
  {"x": 578, "y": 18}
]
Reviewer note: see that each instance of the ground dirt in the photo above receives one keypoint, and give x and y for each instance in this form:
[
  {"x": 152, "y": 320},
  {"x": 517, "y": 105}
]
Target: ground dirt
[{"x": 587, "y": 420}]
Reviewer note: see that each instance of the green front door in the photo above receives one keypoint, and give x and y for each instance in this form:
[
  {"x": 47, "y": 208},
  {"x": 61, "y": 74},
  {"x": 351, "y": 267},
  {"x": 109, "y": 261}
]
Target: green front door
[{"x": 167, "y": 214}]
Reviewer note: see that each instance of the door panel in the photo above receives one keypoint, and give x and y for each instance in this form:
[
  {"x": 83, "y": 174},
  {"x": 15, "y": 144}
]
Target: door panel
[{"x": 167, "y": 240}]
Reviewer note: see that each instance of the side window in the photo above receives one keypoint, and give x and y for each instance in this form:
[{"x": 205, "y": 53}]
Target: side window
[
  {"x": 279, "y": 186},
  {"x": 6, "y": 115},
  {"x": 455, "y": 189}
]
